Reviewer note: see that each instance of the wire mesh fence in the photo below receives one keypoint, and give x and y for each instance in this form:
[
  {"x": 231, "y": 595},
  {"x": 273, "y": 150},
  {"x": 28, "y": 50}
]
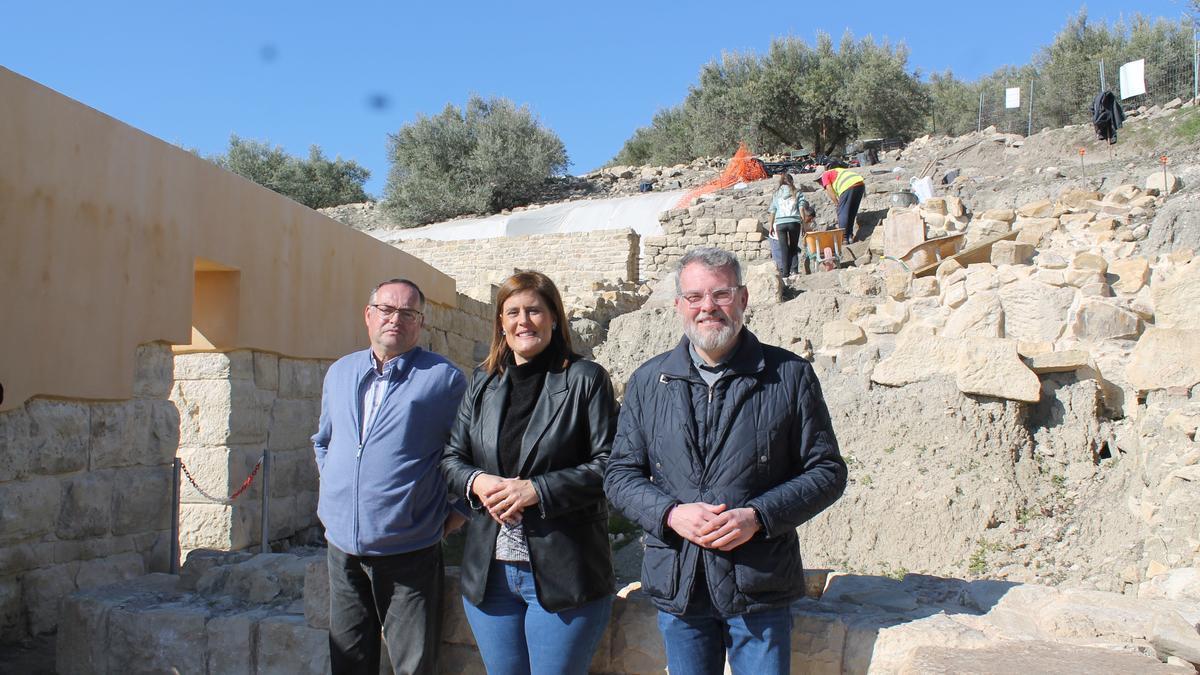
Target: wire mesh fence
[{"x": 1029, "y": 100}]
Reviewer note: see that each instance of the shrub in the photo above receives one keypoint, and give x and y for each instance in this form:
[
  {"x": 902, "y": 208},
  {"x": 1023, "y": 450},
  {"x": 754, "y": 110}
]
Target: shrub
[
  {"x": 316, "y": 182},
  {"x": 491, "y": 156}
]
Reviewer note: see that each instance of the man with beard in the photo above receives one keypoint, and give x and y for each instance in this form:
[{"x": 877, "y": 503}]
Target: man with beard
[{"x": 723, "y": 447}]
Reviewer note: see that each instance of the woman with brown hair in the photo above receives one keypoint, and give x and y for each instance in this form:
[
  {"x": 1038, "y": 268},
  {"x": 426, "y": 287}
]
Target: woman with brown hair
[{"x": 528, "y": 451}]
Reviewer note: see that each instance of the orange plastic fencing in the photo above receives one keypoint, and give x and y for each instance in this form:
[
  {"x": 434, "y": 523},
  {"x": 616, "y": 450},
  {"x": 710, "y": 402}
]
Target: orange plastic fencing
[{"x": 742, "y": 167}]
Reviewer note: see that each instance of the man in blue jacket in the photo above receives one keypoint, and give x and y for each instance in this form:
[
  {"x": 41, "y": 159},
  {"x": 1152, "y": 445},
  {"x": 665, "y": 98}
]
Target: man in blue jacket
[
  {"x": 386, "y": 413},
  {"x": 724, "y": 445}
]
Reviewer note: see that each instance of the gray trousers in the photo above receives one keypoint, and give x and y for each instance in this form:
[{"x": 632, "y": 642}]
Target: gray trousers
[{"x": 399, "y": 596}]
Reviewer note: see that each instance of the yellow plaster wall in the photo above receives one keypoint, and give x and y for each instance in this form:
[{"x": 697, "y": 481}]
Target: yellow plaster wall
[{"x": 102, "y": 229}]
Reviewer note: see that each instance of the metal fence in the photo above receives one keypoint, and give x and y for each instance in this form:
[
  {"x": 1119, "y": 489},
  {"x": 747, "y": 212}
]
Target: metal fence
[{"x": 1058, "y": 99}]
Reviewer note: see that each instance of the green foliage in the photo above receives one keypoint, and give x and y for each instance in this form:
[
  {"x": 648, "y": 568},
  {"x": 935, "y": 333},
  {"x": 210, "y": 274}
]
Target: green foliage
[
  {"x": 491, "y": 156},
  {"x": 316, "y": 182},
  {"x": 819, "y": 97}
]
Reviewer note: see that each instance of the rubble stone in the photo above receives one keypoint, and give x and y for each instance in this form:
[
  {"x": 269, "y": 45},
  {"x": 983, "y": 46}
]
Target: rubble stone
[
  {"x": 1168, "y": 184},
  {"x": 982, "y": 315},
  {"x": 1177, "y": 299},
  {"x": 839, "y": 332},
  {"x": 1164, "y": 358},
  {"x": 1035, "y": 311},
  {"x": 1099, "y": 320},
  {"x": 993, "y": 368},
  {"x": 1042, "y": 208},
  {"x": 1011, "y": 253},
  {"x": 1132, "y": 274},
  {"x": 1058, "y": 362}
]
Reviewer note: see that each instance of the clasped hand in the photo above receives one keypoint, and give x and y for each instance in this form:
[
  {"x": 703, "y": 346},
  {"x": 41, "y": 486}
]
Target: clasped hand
[
  {"x": 504, "y": 498},
  {"x": 712, "y": 525}
]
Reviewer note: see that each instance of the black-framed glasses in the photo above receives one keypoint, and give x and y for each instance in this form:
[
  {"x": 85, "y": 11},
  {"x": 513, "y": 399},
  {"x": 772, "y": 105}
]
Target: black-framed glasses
[
  {"x": 720, "y": 296},
  {"x": 404, "y": 315}
]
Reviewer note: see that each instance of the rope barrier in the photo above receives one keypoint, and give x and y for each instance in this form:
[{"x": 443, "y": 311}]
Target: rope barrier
[{"x": 226, "y": 501}]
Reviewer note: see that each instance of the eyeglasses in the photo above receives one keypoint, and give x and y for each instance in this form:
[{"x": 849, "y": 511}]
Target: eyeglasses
[
  {"x": 720, "y": 296},
  {"x": 406, "y": 315}
]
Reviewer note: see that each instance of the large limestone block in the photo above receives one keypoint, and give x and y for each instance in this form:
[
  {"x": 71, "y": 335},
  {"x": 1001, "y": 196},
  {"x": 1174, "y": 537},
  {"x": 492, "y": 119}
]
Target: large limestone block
[
  {"x": 236, "y": 365},
  {"x": 1035, "y": 311},
  {"x": 993, "y": 368},
  {"x": 1059, "y": 362},
  {"x": 231, "y": 641},
  {"x": 42, "y": 590},
  {"x": 154, "y": 370},
  {"x": 1115, "y": 617},
  {"x": 895, "y": 643},
  {"x": 1163, "y": 358},
  {"x": 1006, "y": 215},
  {"x": 902, "y": 230},
  {"x": 99, "y": 572},
  {"x": 1043, "y": 208},
  {"x": 1177, "y": 300},
  {"x": 1077, "y": 198},
  {"x": 888, "y": 318},
  {"x": 142, "y": 500},
  {"x": 157, "y": 639},
  {"x": 839, "y": 333},
  {"x": 1089, "y": 262},
  {"x": 1099, "y": 320},
  {"x": 287, "y": 646},
  {"x": 85, "y": 509},
  {"x": 917, "y": 357},
  {"x": 28, "y": 508},
  {"x": 221, "y": 412},
  {"x": 1132, "y": 274},
  {"x": 763, "y": 284},
  {"x": 1177, "y": 584},
  {"x": 293, "y": 422},
  {"x": 1022, "y": 657},
  {"x": 57, "y": 438},
  {"x": 1164, "y": 184},
  {"x": 299, "y": 378},
  {"x": 132, "y": 433},
  {"x": 981, "y": 229},
  {"x": 982, "y": 315},
  {"x": 818, "y": 640},
  {"x": 1076, "y": 220},
  {"x": 1011, "y": 253},
  {"x": 266, "y": 369}
]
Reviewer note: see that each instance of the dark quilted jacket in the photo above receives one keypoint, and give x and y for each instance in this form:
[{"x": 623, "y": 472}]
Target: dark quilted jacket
[{"x": 771, "y": 446}]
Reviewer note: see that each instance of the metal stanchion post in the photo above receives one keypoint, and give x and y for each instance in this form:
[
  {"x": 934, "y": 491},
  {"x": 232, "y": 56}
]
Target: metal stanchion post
[
  {"x": 266, "y": 502},
  {"x": 1029, "y": 127},
  {"x": 174, "y": 562}
]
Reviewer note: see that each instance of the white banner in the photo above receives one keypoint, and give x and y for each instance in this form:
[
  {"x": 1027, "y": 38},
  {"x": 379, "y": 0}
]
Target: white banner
[
  {"x": 1133, "y": 78},
  {"x": 1012, "y": 97}
]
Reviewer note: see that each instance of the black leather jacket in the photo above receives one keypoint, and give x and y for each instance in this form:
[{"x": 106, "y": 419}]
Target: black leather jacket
[
  {"x": 564, "y": 452},
  {"x": 771, "y": 447}
]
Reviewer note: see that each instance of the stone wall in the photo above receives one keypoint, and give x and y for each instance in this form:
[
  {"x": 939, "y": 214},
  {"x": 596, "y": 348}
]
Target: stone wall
[
  {"x": 571, "y": 259},
  {"x": 233, "y": 613},
  {"x": 85, "y": 491},
  {"x": 234, "y": 405},
  {"x": 737, "y": 224}
]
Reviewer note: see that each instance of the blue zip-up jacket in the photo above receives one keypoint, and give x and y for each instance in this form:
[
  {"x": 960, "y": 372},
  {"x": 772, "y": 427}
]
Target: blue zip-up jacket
[{"x": 386, "y": 495}]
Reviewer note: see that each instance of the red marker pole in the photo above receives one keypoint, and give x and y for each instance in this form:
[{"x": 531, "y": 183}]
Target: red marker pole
[
  {"x": 1081, "y": 153},
  {"x": 1163, "y": 160}
]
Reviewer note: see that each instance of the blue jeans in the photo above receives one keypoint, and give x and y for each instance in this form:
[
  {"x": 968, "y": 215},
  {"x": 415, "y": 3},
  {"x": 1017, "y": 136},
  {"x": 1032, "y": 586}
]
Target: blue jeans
[
  {"x": 759, "y": 643},
  {"x": 515, "y": 635}
]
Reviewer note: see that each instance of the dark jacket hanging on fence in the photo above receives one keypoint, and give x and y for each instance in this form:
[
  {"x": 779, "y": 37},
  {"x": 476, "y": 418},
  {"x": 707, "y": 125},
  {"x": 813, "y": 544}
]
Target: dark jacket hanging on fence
[{"x": 1107, "y": 116}]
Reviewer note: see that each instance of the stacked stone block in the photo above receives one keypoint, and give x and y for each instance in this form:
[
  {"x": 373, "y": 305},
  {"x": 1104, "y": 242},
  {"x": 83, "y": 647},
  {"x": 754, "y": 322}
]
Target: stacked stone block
[
  {"x": 460, "y": 334},
  {"x": 736, "y": 223},
  {"x": 571, "y": 259},
  {"x": 85, "y": 495},
  {"x": 232, "y": 407}
]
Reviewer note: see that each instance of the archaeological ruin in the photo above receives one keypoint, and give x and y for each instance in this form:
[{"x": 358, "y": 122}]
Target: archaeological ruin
[{"x": 1020, "y": 421}]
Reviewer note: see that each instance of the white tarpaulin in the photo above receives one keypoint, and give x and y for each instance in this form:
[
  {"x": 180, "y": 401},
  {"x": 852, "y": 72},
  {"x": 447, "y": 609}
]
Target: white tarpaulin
[
  {"x": 1133, "y": 78},
  {"x": 1012, "y": 97},
  {"x": 637, "y": 212}
]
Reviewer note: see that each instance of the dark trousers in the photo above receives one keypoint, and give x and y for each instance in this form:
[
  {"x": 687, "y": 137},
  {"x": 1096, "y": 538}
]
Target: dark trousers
[
  {"x": 789, "y": 245},
  {"x": 848, "y": 209},
  {"x": 398, "y": 595}
]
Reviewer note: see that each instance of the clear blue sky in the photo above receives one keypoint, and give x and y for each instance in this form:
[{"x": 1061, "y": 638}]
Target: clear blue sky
[{"x": 301, "y": 73}]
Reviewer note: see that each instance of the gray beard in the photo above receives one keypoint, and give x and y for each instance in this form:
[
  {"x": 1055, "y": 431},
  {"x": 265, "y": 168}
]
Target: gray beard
[{"x": 711, "y": 340}]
